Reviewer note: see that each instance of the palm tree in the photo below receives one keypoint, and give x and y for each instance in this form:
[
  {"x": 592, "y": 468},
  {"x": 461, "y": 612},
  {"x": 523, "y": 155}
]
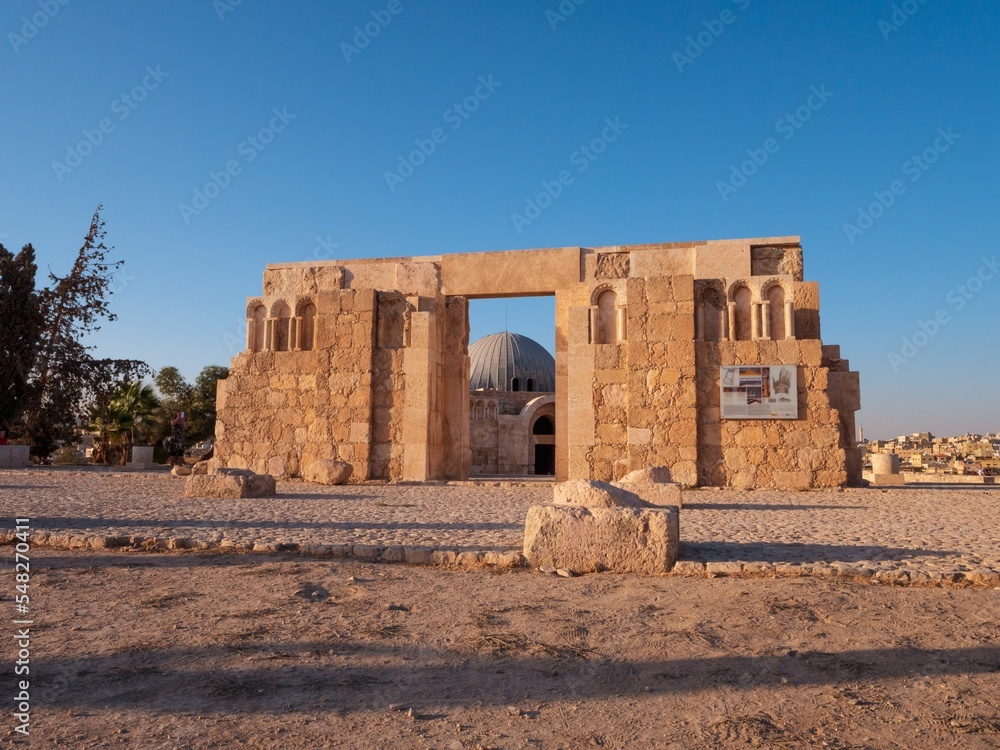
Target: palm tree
[
  {"x": 129, "y": 410},
  {"x": 112, "y": 426},
  {"x": 138, "y": 402}
]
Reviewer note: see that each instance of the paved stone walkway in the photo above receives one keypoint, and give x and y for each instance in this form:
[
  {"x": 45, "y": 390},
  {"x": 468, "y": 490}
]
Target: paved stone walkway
[{"x": 918, "y": 535}]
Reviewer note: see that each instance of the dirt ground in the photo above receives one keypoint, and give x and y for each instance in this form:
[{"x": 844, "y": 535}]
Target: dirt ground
[{"x": 212, "y": 650}]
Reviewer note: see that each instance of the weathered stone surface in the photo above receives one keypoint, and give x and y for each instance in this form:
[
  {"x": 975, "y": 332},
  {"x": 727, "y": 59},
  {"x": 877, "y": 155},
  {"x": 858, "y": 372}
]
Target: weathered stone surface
[
  {"x": 589, "y": 493},
  {"x": 650, "y": 475},
  {"x": 364, "y": 361},
  {"x": 327, "y": 471},
  {"x": 586, "y": 540},
  {"x": 230, "y": 483},
  {"x": 181, "y": 471},
  {"x": 199, "y": 468},
  {"x": 653, "y": 485}
]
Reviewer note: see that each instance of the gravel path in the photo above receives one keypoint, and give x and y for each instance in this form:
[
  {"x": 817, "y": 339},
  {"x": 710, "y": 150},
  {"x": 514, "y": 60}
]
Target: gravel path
[{"x": 921, "y": 535}]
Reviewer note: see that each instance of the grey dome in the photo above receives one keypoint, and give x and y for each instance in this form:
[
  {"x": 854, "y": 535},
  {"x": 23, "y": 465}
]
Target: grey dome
[{"x": 494, "y": 362}]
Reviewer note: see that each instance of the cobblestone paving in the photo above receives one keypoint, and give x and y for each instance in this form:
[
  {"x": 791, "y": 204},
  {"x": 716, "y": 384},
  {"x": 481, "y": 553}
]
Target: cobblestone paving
[{"x": 920, "y": 535}]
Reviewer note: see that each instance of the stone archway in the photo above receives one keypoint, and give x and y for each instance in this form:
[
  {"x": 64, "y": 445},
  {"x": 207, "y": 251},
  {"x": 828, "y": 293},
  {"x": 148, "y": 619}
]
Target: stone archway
[{"x": 537, "y": 423}]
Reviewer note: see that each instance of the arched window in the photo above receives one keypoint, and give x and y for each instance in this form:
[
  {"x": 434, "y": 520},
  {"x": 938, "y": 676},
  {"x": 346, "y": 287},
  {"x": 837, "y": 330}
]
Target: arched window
[
  {"x": 607, "y": 328},
  {"x": 307, "y": 327},
  {"x": 258, "y": 320},
  {"x": 744, "y": 308},
  {"x": 776, "y": 296},
  {"x": 530, "y": 385},
  {"x": 515, "y": 384},
  {"x": 281, "y": 335}
]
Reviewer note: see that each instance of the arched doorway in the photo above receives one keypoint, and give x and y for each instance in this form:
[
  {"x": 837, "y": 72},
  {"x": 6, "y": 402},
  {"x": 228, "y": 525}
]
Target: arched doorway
[{"x": 543, "y": 437}]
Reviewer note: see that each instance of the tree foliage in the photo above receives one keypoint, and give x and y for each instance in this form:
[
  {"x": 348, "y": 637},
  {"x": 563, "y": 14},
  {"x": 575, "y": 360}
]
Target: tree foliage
[
  {"x": 64, "y": 375},
  {"x": 21, "y": 314},
  {"x": 196, "y": 401},
  {"x": 129, "y": 413}
]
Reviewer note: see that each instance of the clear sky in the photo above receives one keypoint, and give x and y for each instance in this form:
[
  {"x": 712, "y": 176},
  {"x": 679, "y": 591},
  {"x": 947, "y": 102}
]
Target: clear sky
[{"x": 848, "y": 92}]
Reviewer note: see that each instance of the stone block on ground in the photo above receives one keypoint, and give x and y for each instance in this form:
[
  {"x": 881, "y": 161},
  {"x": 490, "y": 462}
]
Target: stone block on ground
[
  {"x": 653, "y": 485},
  {"x": 327, "y": 472},
  {"x": 14, "y": 456},
  {"x": 230, "y": 483},
  {"x": 589, "y": 493},
  {"x": 616, "y": 539},
  {"x": 142, "y": 458},
  {"x": 649, "y": 475},
  {"x": 180, "y": 471}
]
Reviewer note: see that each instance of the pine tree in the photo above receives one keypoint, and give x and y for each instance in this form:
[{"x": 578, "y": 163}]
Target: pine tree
[{"x": 66, "y": 376}]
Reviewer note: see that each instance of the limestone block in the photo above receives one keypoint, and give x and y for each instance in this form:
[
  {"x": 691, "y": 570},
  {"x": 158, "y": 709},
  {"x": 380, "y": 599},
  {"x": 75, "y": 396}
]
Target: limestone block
[
  {"x": 276, "y": 466},
  {"x": 685, "y": 473},
  {"x": 230, "y": 483},
  {"x": 845, "y": 390},
  {"x": 584, "y": 540},
  {"x": 200, "y": 468},
  {"x": 792, "y": 480},
  {"x": 328, "y": 472},
  {"x": 180, "y": 471},
  {"x": 653, "y": 493},
  {"x": 638, "y": 436},
  {"x": 589, "y": 493},
  {"x": 650, "y": 475}
]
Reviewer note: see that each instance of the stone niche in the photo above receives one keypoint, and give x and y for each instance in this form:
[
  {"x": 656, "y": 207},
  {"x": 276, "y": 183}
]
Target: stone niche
[{"x": 366, "y": 362}]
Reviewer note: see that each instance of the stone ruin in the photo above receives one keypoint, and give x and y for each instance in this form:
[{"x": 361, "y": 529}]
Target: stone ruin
[{"x": 366, "y": 361}]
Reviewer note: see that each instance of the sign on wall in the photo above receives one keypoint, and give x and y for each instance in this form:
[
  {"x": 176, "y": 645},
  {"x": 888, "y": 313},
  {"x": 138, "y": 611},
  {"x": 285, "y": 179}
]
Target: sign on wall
[{"x": 759, "y": 392}]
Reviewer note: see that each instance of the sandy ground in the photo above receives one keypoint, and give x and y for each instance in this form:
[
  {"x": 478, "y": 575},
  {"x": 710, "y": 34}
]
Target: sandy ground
[
  {"x": 226, "y": 650},
  {"x": 921, "y": 535}
]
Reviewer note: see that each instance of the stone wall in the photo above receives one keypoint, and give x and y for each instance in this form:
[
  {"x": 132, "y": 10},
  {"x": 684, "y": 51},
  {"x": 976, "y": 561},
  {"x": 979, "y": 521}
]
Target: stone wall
[
  {"x": 367, "y": 361},
  {"x": 794, "y": 454},
  {"x": 279, "y": 411},
  {"x": 389, "y": 387}
]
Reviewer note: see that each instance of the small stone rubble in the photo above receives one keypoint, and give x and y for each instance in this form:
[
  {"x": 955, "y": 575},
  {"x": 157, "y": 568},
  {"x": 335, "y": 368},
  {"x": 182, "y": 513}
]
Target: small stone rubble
[{"x": 921, "y": 536}]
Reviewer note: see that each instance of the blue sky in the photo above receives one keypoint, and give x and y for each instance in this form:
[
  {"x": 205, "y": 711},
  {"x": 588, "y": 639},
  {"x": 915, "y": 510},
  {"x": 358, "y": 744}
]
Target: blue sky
[{"x": 183, "y": 87}]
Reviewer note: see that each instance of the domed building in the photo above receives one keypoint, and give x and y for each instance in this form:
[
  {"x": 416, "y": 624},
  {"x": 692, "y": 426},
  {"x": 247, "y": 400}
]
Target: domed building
[
  {"x": 512, "y": 406},
  {"x": 511, "y": 362}
]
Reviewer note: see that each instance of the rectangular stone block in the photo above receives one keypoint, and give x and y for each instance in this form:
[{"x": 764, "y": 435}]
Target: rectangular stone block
[
  {"x": 587, "y": 540},
  {"x": 14, "y": 456},
  {"x": 792, "y": 480},
  {"x": 230, "y": 484}
]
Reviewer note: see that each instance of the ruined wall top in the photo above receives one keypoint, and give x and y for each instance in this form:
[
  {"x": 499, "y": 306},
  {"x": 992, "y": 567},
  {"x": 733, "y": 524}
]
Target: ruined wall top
[{"x": 541, "y": 271}]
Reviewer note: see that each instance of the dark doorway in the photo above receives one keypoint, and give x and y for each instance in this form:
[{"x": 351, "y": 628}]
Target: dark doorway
[
  {"x": 543, "y": 426},
  {"x": 545, "y": 460}
]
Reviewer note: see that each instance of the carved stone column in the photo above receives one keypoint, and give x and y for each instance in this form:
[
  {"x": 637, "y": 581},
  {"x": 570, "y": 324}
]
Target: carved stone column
[
  {"x": 765, "y": 319},
  {"x": 789, "y": 320},
  {"x": 621, "y": 323},
  {"x": 755, "y": 320},
  {"x": 699, "y": 322},
  {"x": 731, "y": 328},
  {"x": 251, "y": 333},
  {"x": 594, "y": 331},
  {"x": 268, "y": 334}
]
